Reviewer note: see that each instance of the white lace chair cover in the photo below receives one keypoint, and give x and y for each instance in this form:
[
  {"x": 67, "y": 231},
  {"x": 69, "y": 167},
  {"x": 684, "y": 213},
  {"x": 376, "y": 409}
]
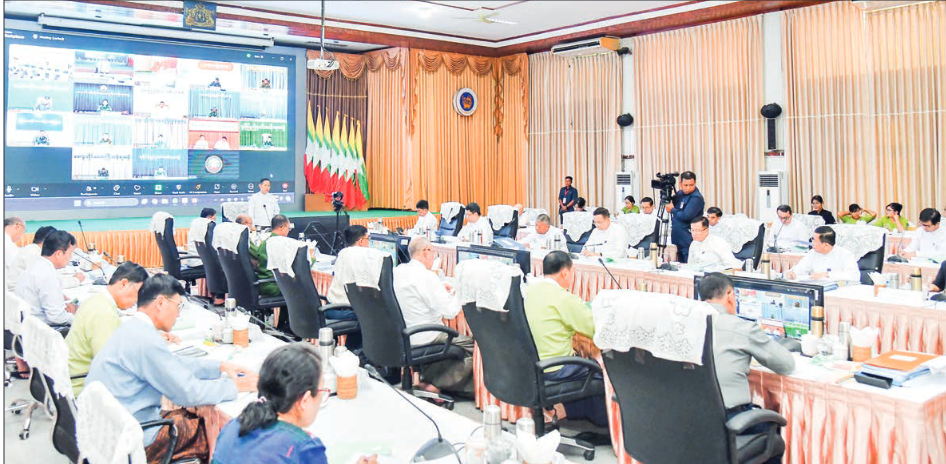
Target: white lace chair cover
[
  {"x": 449, "y": 210},
  {"x": 859, "y": 239},
  {"x": 737, "y": 231},
  {"x": 576, "y": 223},
  {"x": 813, "y": 222},
  {"x": 14, "y": 309},
  {"x": 484, "y": 282},
  {"x": 46, "y": 350},
  {"x": 198, "y": 230},
  {"x": 227, "y": 235},
  {"x": 529, "y": 215},
  {"x": 637, "y": 226},
  {"x": 499, "y": 215},
  {"x": 363, "y": 266},
  {"x": 281, "y": 252},
  {"x": 668, "y": 326},
  {"x": 106, "y": 433},
  {"x": 158, "y": 220},
  {"x": 233, "y": 208}
]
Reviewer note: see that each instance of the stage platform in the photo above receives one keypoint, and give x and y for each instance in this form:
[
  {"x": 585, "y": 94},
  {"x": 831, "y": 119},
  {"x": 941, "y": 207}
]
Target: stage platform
[{"x": 130, "y": 236}]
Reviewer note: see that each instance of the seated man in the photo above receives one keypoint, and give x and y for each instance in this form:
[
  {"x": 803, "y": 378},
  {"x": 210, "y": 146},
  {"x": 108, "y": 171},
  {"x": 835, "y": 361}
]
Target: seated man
[
  {"x": 26, "y": 256},
  {"x": 137, "y": 367},
  {"x": 247, "y": 220},
  {"x": 580, "y": 204},
  {"x": 607, "y": 239},
  {"x": 555, "y": 315},
  {"x": 892, "y": 220},
  {"x": 98, "y": 319},
  {"x": 709, "y": 250},
  {"x": 930, "y": 241},
  {"x": 713, "y": 214},
  {"x": 855, "y": 214},
  {"x": 545, "y": 235},
  {"x": 424, "y": 300},
  {"x": 425, "y": 220},
  {"x": 826, "y": 261},
  {"x": 206, "y": 214},
  {"x": 939, "y": 282},
  {"x": 13, "y": 230},
  {"x": 788, "y": 231},
  {"x": 355, "y": 236},
  {"x": 475, "y": 222},
  {"x": 40, "y": 286},
  {"x": 259, "y": 254},
  {"x": 647, "y": 206},
  {"x": 737, "y": 341}
]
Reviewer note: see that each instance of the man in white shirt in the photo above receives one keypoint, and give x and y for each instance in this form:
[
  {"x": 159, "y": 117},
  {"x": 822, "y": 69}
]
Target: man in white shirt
[
  {"x": 787, "y": 231},
  {"x": 707, "y": 250},
  {"x": 222, "y": 144},
  {"x": 425, "y": 220},
  {"x": 263, "y": 205},
  {"x": 930, "y": 241},
  {"x": 544, "y": 236},
  {"x": 647, "y": 206},
  {"x": 201, "y": 143},
  {"x": 13, "y": 230},
  {"x": 607, "y": 239},
  {"x": 425, "y": 300},
  {"x": 206, "y": 214},
  {"x": 476, "y": 222},
  {"x": 826, "y": 261},
  {"x": 355, "y": 236},
  {"x": 39, "y": 285},
  {"x": 30, "y": 254},
  {"x": 713, "y": 214}
]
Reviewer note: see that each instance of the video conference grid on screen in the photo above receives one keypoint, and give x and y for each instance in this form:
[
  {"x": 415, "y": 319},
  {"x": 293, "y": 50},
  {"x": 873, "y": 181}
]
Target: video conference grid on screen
[{"x": 80, "y": 117}]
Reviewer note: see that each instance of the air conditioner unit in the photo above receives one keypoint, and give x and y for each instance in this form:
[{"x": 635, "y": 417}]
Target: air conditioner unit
[
  {"x": 623, "y": 188},
  {"x": 772, "y": 193},
  {"x": 587, "y": 47}
]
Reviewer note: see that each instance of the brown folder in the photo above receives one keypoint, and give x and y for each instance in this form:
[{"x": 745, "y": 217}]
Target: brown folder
[{"x": 905, "y": 361}]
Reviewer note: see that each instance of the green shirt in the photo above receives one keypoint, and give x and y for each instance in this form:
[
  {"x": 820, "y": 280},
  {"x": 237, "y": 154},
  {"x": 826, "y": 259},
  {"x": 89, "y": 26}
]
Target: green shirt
[
  {"x": 261, "y": 256},
  {"x": 632, "y": 209},
  {"x": 888, "y": 223},
  {"x": 554, "y": 316},
  {"x": 848, "y": 219},
  {"x": 96, "y": 320}
]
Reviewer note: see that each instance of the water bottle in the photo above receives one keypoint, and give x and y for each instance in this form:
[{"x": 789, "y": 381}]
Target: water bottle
[
  {"x": 558, "y": 242},
  {"x": 326, "y": 351},
  {"x": 766, "y": 266},
  {"x": 916, "y": 280},
  {"x": 498, "y": 448}
]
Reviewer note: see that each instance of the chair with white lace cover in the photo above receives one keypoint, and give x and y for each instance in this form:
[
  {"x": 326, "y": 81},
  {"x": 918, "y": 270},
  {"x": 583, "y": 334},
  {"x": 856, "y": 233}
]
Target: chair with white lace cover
[
  {"x": 576, "y": 223},
  {"x": 504, "y": 220},
  {"x": 451, "y": 218},
  {"x": 811, "y": 221},
  {"x": 866, "y": 243},
  {"x": 158, "y": 220},
  {"x": 484, "y": 282},
  {"x": 232, "y": 209},
  {"x": 44, "y": 349},
  {"x": 176, "y": 263},
  {"x": 364, "y": 266},
  {"x": 737, "y": 231},
  {"x": 106, "y": 432},
  {"x": 14, "y": 310},
  {"x": 529, "y": 215},
  {"x": 281, "y": 252},
  {"x": 640, "y": 228},
  {"x": 670, "y": 327},
  {"x": 198, "y": 230},
  {"x": 227, "y": 235}
]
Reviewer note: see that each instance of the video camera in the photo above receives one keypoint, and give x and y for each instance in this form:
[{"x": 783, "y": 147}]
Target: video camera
[
  {"x": 666, "y": 184},
  {"x": 337, "y": 203}
]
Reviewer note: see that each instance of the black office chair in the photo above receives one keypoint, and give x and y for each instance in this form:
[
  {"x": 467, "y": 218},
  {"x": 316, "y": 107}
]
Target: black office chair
[
  {"x": 872, "y": 262},
  {"x": 451, "y": 228},
  {"x": 509, "y": 229},
  {"x": 305, "y": 305},
  {"x": 512, "y": 371},
  {"x": 575, "y": 246},
  {"x": 216, "y": 280},
  {"x": 64, "y": 427},
  {"x": 648, "y": 239},
  {"x": 753, "y": 249},
  {"x": 386, "y": 339},
  {"x": 242, "y": 281},
  {"x": 673, "y": 412},
  {"x": 171, "y": 258}
]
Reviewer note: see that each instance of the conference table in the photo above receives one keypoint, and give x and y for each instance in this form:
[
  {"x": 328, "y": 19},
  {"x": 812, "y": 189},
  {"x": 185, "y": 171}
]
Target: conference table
[{"x": 782, "y": 262}]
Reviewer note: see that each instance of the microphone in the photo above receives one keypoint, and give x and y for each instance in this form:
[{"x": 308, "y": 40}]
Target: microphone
[
  {"x": 896, "y": 258},
  {"x": 83, "y": 235},
  {"x": 104, "y": 280},
  {"x": 618, "y": 285},
  {"x": 435, "y": 448}
]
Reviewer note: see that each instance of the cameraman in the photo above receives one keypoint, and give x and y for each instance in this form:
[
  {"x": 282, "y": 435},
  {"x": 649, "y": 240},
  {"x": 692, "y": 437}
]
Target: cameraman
[{"x": 685, "y": 206}]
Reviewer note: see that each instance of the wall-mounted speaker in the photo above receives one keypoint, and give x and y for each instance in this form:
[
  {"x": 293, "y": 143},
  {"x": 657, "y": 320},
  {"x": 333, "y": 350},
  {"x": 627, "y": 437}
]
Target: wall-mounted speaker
[
  {"x": 770, "y": 112},
  {"x": 625, "y": 120}
]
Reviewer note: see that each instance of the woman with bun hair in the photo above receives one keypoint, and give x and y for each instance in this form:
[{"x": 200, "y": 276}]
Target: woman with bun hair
[{"x": 272, "y": 429}]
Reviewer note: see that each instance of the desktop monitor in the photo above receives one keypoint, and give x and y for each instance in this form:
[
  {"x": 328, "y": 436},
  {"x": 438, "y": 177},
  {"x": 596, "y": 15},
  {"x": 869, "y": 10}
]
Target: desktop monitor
[
  {"x": 523, "y": 259},
  {"x": 394, "y": 245},
  {"x": 782, "y": 308}
]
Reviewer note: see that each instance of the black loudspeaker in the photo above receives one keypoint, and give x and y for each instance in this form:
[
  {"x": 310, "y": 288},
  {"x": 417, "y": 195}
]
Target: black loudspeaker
[
  {"x": 770, "y": 112},
  {"x": 770, "y": 130},
  {"x": 625, "y": 120}
]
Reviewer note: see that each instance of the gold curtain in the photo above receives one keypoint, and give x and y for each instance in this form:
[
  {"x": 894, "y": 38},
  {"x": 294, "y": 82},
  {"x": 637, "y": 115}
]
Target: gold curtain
[
  {"x": 866, "y": 105},
  {"x": 478, "y": 158},
  {"x": 698, "y": 95},
  {"x": 572, "y": 129},
  {"x": 390, "y": 170}
]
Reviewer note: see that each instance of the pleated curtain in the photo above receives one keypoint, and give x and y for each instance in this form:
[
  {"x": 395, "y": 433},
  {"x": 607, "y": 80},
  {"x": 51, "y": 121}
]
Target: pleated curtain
[
  {"x": 572, "y": 129},
  {"x": 698, "y": 94},
  {"x": 866, "y": 116}
]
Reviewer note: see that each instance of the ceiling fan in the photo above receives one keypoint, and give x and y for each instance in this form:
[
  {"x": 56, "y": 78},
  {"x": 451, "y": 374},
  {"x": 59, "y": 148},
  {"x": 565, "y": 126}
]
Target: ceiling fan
[{"x": 484, "y": 16}]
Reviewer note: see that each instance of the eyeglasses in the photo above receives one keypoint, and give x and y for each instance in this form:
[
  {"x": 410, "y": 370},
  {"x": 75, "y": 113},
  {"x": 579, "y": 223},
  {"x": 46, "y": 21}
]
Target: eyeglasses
[
  {"x": 927, "y": 225},
  {"x": 178, "y": 303},
  {"x": 783, "y": 219},
  {"x": 696, "y": 231}
]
